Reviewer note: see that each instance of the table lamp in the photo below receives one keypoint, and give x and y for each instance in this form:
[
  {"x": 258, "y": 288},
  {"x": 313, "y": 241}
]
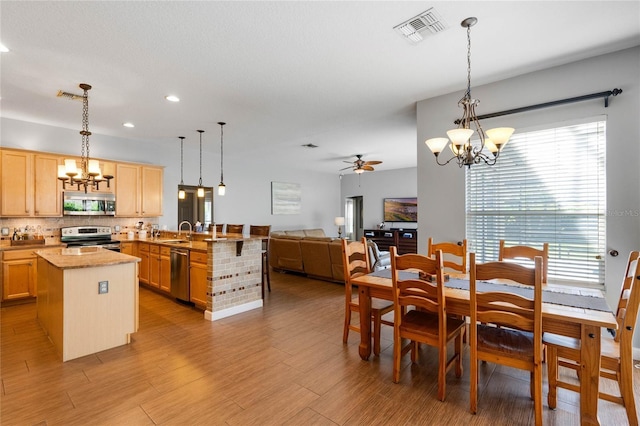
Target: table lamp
[{"x": 339, "y": 221}]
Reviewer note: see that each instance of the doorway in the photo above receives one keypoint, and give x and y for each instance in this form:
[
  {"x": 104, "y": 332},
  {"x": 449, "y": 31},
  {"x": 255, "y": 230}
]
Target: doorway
[{"x": 353, "y": 218}]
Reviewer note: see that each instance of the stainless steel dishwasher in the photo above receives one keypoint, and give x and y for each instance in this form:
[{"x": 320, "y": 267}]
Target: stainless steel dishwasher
[{"x": 180, "y": 274}]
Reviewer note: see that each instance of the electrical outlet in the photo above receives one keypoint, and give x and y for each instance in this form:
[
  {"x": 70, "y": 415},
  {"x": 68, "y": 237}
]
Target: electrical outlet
[{"x": 103, "y": 287}]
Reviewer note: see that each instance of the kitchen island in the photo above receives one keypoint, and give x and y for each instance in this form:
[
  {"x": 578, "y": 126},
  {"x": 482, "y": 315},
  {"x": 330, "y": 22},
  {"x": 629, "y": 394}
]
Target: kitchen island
[{"x": 87, "y": 299}]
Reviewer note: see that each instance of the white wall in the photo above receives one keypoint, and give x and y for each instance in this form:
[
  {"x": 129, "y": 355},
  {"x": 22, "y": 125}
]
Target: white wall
[
  {"x": 374, "y": 187},
  {"x": 444, "y": 215},
  {"x": 248, "y": 179}
]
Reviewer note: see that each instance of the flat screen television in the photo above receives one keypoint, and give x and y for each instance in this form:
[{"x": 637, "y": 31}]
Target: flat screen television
[{"x": 400, "y": 209}]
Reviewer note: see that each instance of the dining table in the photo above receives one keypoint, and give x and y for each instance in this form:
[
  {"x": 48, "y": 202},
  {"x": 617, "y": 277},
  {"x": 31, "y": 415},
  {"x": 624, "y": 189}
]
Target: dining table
[{"x": 583, "y": 323}]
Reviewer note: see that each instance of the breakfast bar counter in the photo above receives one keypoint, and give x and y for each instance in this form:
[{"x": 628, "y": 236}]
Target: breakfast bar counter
[{"x": 87, "y": 299}]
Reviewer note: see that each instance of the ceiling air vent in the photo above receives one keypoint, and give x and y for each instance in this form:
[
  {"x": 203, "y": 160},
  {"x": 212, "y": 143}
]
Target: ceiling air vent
[
  {"x": 428, "y": 22},
  {"x": 69, "y": 96},
  {"x": 310, "y": 145}
]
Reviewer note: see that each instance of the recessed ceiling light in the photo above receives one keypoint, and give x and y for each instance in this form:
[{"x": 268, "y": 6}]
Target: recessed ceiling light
[
  {"x": 172, "y": 98},
  {"x": 3, "y": 48},
  {"x": 128, "y": 124}
]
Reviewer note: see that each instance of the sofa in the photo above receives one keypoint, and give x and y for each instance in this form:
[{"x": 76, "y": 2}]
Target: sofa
[{"x": 312, "y": 253}]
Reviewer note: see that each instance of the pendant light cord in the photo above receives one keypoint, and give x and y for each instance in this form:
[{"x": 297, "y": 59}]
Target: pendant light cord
[
  {"x": 221, "y": 152},
  {"x": 200, "y": 181},
  {"x": 181, "y": 159}
]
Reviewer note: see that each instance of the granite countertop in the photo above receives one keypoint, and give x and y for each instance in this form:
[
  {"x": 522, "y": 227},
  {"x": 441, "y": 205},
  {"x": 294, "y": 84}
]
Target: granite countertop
[
  {"x": 7, "y": 246},
  {"x": 199, "y": 245},
  {"x": 83, "y": 257}
]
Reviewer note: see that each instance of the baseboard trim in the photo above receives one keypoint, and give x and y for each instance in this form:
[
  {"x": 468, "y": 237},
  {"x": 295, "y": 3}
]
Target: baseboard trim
[{"x": 213, "y": 316}]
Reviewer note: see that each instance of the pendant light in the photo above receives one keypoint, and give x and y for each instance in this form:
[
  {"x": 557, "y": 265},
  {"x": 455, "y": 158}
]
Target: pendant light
[
  {"x": 200, "y": 187},
  {"x": 181, "y": 193},
  {"x": 221, "y": 187}
]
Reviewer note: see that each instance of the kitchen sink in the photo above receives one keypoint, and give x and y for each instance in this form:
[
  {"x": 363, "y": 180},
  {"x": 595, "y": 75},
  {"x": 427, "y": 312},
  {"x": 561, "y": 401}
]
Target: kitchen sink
[{"x": 173, "y": 241}]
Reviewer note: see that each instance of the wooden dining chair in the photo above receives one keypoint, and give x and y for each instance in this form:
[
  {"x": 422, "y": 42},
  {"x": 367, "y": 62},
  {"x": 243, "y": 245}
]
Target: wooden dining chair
[
  {"x": 526, "y": 252},
  {"x": 506, "y": 328},
  {"x": 263, "y": 231},
  {"x": 218, "y": 226},
  {"x": 234, "y": 229},
  {"x": 616, "y": 360},
  {"x": 420, "y": 314},
  {"x": 355, "y": 258},
  {"x": 452, "y": 249}
]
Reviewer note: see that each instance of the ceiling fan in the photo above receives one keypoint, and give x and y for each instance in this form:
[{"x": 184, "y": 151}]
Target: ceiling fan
[{"x": 360, "y": 166}]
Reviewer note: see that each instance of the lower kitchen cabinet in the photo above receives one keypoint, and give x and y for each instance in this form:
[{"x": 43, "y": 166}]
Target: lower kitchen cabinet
[
  {"x": 128, "y": 248},
  {"x": 154, "y": 265},
  {"x": 143, "y": 254},
  {"x": 165, "y": 269},
  {"x": 19, "y": 273},
  {"x": 198, "y": 278}
]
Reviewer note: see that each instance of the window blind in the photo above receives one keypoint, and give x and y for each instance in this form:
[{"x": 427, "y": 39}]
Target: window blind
[{"x": 547, "y": 186}]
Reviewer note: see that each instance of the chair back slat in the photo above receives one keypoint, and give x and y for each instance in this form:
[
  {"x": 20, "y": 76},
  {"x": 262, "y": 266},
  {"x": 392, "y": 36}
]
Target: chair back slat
[
  {"x": 450, "y": 250},
  {"x": 526, "y": 252},
  {"x": 627, "y": 312},
  {"x": 355, "y": 260},
  {"x": 417, "y": 292}
]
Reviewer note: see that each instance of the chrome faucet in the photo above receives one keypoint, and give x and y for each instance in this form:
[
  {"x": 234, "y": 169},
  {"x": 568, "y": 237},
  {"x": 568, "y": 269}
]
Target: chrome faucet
[{"x": 180, "y": 229}]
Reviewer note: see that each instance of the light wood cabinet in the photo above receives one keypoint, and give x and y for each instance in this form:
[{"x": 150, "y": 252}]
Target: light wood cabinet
[
  {"x": 128, "y": 247},
  {"x": 47, "y": 187},
  {"x": 198, "y": 278},
  {"x": 17, "y": 185},
  {"x": 19, "y": 273},
  {"x": 127, "y": 190},
  {"x": 139, "y": 190},
  {"x": 151, "y": 193},
  {"x": 143, "y": 254},
  {"x": 165, "y": 269}
]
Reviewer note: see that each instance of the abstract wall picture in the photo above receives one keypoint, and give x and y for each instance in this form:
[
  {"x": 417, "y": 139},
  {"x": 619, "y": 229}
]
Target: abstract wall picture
[{"x": 285, "y": 198}]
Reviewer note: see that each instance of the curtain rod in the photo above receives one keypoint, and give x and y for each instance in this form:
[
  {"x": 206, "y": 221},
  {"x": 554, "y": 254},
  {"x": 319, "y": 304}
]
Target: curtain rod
[{"x": 605, "y": 95}]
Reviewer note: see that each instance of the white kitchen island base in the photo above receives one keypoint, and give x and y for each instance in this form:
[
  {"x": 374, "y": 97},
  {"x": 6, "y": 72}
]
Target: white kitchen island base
[{"x": 80, "y": 316}]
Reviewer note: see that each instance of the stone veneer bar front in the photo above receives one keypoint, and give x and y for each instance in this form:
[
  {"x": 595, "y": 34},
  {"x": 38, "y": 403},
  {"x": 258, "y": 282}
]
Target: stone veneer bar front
[{"x": 234, "y": 274}]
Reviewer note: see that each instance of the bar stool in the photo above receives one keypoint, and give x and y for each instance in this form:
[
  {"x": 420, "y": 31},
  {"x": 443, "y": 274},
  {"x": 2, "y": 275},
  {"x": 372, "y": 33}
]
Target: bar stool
[
  {"x": 234, "y": 229},
  {"x": 263, "y": 231}
]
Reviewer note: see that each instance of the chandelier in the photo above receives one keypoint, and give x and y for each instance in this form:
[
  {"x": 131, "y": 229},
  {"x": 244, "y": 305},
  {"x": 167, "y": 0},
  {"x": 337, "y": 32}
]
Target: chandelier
[
  {"x": 89, "y": 174},
  {"x": 464, "y": 151}
]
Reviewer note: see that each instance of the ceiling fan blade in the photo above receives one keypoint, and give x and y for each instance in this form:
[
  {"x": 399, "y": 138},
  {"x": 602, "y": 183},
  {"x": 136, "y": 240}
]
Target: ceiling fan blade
[
  {"x": 371, "y": 163},
  {"x": 350, "y": 167},
  {"x": 367, "y": 168},
  {"x": 348, "y": 162}
]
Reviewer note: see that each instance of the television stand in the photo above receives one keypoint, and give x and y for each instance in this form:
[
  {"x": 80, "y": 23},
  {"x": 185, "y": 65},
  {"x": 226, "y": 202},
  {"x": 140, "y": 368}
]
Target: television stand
[{"x": 405, "y": 240}]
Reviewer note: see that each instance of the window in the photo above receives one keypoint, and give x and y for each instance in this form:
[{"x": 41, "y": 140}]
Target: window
[{"x": 547, "y": 186}]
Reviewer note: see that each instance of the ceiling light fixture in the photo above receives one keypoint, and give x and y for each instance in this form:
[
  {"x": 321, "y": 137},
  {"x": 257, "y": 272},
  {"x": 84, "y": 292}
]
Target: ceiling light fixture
[
  {"x": 89, "y": 175},
  {"x": 200, "y": 187},
  {"x": 181, "y": 192},
  {"x": 221, "y": 186},
  {"x": 130, "y": 125},
  {"x": 172, "y": 98},
  {"x": 3, "y": 48},
  {"x": 464, "y": 152}
]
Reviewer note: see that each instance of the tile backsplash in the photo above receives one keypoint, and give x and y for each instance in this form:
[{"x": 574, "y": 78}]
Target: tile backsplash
[{"x": 50, "y": 227}]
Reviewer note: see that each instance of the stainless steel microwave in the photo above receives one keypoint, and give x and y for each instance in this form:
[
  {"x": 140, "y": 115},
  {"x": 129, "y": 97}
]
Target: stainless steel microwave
[{"x": 81, "y": 204}]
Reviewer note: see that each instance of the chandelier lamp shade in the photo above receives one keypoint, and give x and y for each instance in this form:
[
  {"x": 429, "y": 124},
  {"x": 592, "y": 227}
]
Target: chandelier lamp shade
[
  {"x": 466, "y": 152},
  {"x": 200, "y": 187},
  {"x": 88, "y": 175},
  {"x": 181, "y": 192},
  {"x": 222, "y": 189}
]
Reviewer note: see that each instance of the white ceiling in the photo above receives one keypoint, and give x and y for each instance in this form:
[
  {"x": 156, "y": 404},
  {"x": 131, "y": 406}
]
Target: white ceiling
[{"x": 281, "y": 74}]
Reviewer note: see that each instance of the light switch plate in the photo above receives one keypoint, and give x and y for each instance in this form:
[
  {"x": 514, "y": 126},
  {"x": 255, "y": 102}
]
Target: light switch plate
[{"x": 103, "y": 287}]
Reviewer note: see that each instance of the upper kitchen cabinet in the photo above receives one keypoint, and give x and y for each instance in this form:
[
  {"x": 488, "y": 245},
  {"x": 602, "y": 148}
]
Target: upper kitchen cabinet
[
  {"x": 30, "y": 186},
  {"x": 138, "y": 190},
  {"x": 48, "y": 188}
]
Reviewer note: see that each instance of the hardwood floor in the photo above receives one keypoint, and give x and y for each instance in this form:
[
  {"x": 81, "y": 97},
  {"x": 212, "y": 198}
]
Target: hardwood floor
[{"x": 282, "y": 364}]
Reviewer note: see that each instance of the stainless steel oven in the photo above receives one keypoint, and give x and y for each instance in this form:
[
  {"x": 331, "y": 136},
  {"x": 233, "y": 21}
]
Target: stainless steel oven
[{"x": 89, "y": 236}]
